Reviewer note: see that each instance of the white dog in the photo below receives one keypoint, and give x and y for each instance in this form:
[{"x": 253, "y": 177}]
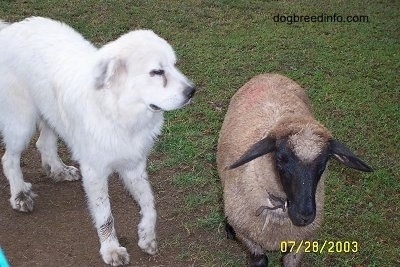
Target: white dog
[{"x": 107, "y": 105}]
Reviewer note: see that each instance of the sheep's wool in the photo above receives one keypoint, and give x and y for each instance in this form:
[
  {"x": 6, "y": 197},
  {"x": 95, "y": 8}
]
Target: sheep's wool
[{"x": 306, "y": 144}]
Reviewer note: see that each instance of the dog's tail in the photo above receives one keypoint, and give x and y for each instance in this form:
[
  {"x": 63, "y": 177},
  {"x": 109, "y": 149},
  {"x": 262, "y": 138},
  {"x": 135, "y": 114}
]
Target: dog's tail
[{"x": 3, "y": 24}]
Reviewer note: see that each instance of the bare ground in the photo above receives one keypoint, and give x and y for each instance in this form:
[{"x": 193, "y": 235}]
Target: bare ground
[{"x": 59, "y": 231}]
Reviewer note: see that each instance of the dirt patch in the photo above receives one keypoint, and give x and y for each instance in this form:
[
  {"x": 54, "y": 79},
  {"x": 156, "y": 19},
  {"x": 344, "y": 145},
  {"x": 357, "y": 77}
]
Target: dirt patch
[{"x": 59, "y": 231}]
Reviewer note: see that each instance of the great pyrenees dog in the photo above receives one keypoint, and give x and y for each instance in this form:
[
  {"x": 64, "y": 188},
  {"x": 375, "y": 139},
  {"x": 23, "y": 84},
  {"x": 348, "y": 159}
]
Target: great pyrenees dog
[{"x": 106, "y": 104}]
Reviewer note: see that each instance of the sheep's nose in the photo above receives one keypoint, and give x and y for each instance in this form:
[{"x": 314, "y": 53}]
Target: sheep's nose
[
  {"x": 189, "y": 91},
  {"x": 306, "y": 219},
  {"x": 303, "y": 218}
]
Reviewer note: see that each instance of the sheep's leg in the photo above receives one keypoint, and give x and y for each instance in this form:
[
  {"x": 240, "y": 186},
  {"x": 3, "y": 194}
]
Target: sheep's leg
[
  {"x": 292, "y": 259},
  {"x": 259, "y": 260},
  {"x": 230, "y": 232},
  {"x": 256, "y": 260},
  {"x": 257, "y": 256}
]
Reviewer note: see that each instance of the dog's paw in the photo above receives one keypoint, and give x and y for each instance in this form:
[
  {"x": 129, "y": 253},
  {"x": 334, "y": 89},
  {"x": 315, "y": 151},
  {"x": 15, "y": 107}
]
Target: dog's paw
[
  {"x": 147, "y": 238},
  {"x": 148, "y": 246},
  {"x": 115, "y": 256},
  {"x": 23, "y": 201},
  {"x": 68, "y": 173}
]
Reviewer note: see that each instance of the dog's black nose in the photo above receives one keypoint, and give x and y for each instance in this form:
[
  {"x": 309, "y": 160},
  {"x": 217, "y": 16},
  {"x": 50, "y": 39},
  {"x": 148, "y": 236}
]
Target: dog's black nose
[{"x": 189, "y": 91}]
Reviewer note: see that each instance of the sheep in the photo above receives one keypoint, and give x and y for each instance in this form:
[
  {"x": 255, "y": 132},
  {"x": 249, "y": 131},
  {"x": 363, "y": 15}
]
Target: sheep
[{"x": 271, "y": 158}]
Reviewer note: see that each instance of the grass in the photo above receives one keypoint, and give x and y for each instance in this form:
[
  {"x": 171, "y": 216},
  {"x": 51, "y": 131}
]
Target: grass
[{"x": 351, "y": 73}]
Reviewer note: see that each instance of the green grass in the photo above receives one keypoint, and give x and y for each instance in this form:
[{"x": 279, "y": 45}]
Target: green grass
[{"x": 351, "y": 71}]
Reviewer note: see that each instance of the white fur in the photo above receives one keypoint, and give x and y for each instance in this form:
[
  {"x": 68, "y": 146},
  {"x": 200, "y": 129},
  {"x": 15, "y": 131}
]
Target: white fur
[{"x": 106, "y": 104}]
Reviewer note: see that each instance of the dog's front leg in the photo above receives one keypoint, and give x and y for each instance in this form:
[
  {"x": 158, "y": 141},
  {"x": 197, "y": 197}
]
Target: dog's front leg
[
  {"x": 96, "y": 187},
  {"x": 136, "y": 181}
]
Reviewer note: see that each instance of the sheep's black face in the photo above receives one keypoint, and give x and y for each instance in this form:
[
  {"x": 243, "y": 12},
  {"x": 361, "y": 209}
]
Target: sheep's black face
[
  {"x": 299, "y": 180},
  {"x": 300, "y": 159}
]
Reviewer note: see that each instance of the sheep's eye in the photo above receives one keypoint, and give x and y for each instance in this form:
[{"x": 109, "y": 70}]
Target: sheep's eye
[{"x": 156, "y": 72}]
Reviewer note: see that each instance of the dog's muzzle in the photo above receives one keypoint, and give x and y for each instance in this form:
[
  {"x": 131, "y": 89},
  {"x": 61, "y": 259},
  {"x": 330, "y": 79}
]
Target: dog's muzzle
[
  {"x": 188, "y": 94},
  {"x": 189, "y": 91}
]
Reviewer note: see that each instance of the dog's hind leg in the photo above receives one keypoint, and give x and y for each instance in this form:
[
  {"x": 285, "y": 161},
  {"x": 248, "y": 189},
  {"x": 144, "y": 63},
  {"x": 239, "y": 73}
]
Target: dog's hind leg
[
  {"x": 17, "y": 133},
  {"x": 51, "y": 162},
  {"x": 95, "y": 183},
  {"x": 136, "y": 181}
]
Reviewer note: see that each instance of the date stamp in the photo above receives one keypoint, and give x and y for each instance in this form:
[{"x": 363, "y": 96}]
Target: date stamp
[{"x": 319, "y": 246}]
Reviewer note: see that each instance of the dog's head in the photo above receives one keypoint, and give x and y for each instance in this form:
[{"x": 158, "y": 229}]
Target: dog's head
[{"x": 139, "y": 67}]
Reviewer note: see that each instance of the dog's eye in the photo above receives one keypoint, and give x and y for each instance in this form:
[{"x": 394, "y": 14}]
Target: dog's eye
[{"x": 156, "y": 72}]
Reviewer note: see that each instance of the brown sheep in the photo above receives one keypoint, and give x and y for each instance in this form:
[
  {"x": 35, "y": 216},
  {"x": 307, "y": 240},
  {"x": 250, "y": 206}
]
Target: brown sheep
[{"x": 279, "y": 194}]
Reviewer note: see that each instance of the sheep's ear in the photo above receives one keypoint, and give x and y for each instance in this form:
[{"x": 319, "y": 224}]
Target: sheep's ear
[
  {"x": 108, "y": 72},
  {"x": 259, "y": 149},
  {"x": 346, "y": 157}
]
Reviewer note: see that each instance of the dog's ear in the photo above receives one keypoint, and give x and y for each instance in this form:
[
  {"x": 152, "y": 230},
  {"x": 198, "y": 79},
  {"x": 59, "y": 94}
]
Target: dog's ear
[{"x": 109, "y": 72}]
